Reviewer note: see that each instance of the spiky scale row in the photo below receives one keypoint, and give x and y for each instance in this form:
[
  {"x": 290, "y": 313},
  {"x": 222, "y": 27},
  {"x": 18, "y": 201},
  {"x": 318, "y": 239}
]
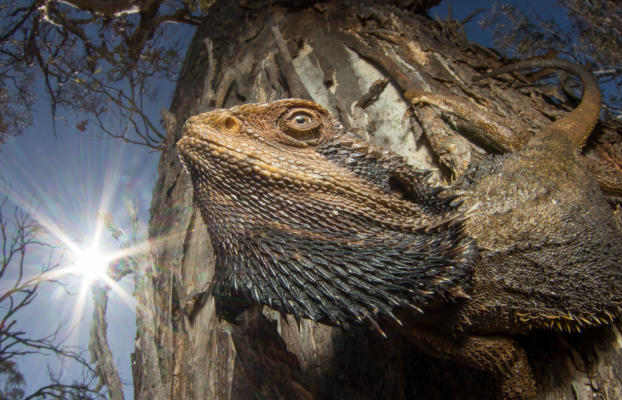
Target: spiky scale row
[{"x": 568, "y": 322}]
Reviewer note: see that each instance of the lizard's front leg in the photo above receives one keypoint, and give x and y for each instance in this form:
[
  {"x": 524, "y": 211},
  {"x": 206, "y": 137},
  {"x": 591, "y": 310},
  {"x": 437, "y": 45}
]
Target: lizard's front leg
[{"x": 491, "y": 129}]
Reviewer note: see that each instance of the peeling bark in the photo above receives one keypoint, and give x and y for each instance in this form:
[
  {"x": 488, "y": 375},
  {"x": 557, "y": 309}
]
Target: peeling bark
[{"x": 338, "y": 50}]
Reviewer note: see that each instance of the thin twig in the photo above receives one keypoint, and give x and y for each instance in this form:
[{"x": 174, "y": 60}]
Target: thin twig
[{"x": 373, "y": 94}]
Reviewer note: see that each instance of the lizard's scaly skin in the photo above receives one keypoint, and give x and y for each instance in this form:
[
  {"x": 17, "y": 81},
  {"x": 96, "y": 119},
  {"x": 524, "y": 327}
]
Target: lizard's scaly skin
[{"x": 313, "y": 221}]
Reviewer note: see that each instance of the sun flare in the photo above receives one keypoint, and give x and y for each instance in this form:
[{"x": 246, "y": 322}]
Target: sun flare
[{"x": 91, "y": 264}]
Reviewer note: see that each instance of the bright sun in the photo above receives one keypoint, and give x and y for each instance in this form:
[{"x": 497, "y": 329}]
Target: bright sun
[{"x": 91, "y": 264}]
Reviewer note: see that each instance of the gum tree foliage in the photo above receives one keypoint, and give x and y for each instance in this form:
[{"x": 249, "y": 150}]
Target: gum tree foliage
[
  {"x": 590, "y": 34},
  {"x": 98, "y": 59}
]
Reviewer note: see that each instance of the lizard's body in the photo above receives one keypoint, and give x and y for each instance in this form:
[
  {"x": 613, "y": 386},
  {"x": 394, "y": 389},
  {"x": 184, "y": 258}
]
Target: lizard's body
[{"x": 312, "y": 221}]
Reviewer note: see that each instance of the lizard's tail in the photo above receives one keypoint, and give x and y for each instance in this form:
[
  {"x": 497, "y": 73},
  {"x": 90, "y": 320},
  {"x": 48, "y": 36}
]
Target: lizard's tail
[{"x": 577, "y": 125}]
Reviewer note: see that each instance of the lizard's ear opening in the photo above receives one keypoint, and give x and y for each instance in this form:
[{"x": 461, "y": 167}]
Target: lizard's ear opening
[
  {"x": 302, "y": 124},
  {"x": 396, "y": 187},
  {"x": 231, "y": 124}
]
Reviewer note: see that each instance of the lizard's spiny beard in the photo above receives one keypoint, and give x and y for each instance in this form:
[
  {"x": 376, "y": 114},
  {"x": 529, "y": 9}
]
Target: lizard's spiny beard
[{"x": 335, "y": 280}]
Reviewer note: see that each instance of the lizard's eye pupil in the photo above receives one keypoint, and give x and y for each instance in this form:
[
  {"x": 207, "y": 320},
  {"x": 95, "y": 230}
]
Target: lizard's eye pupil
[{"x": 300, "y": 119}]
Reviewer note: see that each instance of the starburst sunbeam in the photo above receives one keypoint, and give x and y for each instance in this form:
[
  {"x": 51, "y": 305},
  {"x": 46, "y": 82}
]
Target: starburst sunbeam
[{"x": 91, "y": 264}]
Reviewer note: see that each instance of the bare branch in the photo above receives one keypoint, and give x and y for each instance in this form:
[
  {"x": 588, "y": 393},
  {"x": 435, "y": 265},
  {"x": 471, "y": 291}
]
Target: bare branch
[
  {"x": 208, "y": 93},
  {"x": 113, "y": 8},
  {"x": 469, "y": 17},
  {"x": 138, "y": 258}
]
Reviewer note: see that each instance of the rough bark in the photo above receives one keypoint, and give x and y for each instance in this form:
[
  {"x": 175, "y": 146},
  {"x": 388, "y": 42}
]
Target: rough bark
[{"x": 338, "y": 50}]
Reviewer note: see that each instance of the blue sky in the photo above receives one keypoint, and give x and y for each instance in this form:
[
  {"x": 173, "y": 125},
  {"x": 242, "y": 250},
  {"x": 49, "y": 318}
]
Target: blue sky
[{"x": 72, "y": 177}]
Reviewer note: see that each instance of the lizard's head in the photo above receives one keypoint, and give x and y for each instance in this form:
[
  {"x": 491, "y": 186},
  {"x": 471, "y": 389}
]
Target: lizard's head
[{"x": 310, "y": 220}]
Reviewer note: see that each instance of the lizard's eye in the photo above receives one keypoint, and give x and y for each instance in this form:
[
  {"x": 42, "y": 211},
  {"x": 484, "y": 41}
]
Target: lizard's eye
[{"x": 301, "y": 124}]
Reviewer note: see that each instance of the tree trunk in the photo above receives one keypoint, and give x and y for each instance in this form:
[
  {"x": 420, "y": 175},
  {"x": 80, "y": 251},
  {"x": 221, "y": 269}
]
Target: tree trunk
[{"x": 338, "y": 49}]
